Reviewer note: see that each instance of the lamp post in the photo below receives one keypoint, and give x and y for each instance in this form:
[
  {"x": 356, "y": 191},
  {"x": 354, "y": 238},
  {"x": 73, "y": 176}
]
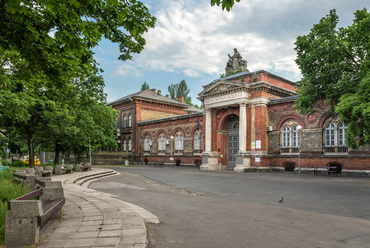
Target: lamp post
[
  {"x": 89, "y": 151},
  {"x": 7, "y": 152},
  {"x": 171, "y": 158},
  {"x": 299, "y": 128}
]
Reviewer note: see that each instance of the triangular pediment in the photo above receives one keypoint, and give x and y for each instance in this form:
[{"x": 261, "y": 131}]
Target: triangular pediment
[{"x": 220, "y": 86}]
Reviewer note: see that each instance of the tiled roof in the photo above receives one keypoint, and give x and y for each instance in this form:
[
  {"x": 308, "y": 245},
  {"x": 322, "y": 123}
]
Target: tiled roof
[{"x": 148, "y": 94}]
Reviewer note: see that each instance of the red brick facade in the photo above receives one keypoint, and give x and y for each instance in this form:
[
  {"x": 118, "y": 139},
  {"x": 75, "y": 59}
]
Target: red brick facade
[{"x": 271, "y": 121}]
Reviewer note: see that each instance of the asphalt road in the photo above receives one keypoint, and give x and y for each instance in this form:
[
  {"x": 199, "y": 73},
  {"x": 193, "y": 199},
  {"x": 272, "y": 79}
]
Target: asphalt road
[{"x": 228, "y": 209}]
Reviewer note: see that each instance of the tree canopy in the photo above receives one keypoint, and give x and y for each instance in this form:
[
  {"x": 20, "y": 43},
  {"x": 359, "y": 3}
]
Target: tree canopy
[
  {"x": 225, "y": 4},
  {"x": 335, "y": 67},
  {"x": 50, "y": 88},
  {"x": 145, "y": 86},
  {"x": 180, "y": 89},
  {"x": 57, "y": 37}
]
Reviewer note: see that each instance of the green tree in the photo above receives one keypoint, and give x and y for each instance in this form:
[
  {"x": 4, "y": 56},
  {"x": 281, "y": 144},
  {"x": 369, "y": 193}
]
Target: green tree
[
  {"x": 145, "y": 86},
  {"x": 225, "y": 4},
  {"x": 84, "y": 115},
  {"x": 335, "y": 63},
  {"x": 57, "y": 37},
  {"x": 44, "y": 45},
  {"x": 180, "y": 89}
]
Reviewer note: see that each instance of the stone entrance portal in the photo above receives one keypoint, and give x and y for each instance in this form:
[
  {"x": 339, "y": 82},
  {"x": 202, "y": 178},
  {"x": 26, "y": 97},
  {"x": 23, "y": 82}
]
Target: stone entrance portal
[{"x": 232, "y": 142}]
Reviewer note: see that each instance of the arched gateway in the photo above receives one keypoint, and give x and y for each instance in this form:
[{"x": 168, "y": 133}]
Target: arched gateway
[{"x": 232, "y": 141}]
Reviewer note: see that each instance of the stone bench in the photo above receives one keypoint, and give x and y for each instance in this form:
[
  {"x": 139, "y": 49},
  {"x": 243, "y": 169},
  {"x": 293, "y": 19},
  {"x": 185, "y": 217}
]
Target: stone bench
[
  {"x": 45, "y": 171},
  {"x": 26, "y": 215},
  {"x": 83, "y": 167},
  {"x": 59, "y": 169},
  {"x": 25, "y": 176}
]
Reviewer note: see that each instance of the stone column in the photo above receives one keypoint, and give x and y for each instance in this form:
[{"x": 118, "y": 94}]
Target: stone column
[
  {"x": 208, "y": 130},
  {"x": 242, "y": 128},
  {"x": 242, "y": 159},
  {"x": 209, "y": 157}
]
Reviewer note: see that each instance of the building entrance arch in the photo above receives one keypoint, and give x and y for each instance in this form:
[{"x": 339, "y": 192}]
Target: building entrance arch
[{"x": 232, "y": 141}]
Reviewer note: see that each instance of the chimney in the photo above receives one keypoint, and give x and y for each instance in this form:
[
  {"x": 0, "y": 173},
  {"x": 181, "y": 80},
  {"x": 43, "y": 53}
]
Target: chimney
[
  {"x": 180, "y": 99},
  {"x": 153, "y": 90},
  {"x": 159, "y": 92},
  {"x": 167, "y": 96}
]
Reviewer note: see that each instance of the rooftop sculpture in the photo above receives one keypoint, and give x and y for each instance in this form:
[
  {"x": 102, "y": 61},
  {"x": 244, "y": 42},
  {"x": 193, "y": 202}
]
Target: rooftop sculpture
[{"x": 235, "y": 62}]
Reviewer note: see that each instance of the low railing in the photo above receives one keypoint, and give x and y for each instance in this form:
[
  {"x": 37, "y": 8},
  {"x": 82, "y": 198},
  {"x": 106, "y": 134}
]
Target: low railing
[{"x": 335, "y": 149}]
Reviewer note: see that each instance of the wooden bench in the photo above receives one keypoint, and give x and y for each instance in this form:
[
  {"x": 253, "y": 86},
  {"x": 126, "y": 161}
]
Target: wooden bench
[
  {"x": 83, "y": 167},
  {"x": 26, "y": 215},
  {"x": 59, "y": 169},
  {"x": 328, "y": 169}
]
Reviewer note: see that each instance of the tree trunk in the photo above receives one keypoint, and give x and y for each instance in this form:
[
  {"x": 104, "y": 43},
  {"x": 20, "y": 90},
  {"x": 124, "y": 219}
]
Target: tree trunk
[
  {"x": 57, "y": 152},
  {"x": 31, "y": 152}
]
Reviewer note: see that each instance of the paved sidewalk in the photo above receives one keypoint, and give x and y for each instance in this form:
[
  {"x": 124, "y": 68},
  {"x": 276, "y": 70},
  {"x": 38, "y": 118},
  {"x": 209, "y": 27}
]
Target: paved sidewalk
[{"x": 96, "y": 219}]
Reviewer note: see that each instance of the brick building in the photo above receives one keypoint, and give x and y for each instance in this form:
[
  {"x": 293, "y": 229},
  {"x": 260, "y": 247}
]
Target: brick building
[{"x": 249, "y": 122}]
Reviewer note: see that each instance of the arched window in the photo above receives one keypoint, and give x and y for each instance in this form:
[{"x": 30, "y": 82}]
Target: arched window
[
  {"x": 130, "y": 120},
  {"x": 179, "y": 141},
  {"x": 146, "y": 143},
  {"x": 124, "y": 121},
  {"x": 286, "y": 137},
  {"x": 329, "y": 134},
  {"x": 124, "y": 145},
  {"x": 296, "y": 137},
  {"x": 162, "y": 142},
  {"x": 197, "y": 141},
  {"x": 342, "y": 128},
  {"x": 129, "y": 144}
]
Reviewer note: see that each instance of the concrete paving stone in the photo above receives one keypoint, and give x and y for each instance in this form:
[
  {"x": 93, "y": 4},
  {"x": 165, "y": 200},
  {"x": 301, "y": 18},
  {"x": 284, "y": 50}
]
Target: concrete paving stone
[
  {"x": 133, "y": 231},
  {"x": 92, "y": 213},
  {"x": 95, "y": 217},
  {"x": 131, "y": 246},
  {"x": 107, "y": 227},
  {"x": 67, "y": 230},
  {"x": 53, "y": 244},
  {"x": 88, "y": 228},
  {"x": 109, "y": 241},
  {"x": 81, "y": 235},
  {"x": 110, "y": 233},
  {"x": 70, "y": 222},
  {"x": 113, "y": 221},
  {"x": 80, "y": 242},
  {"x": 133, "y": 239},
  {"x": 92, "y": 223},
  {"x": 133, "y": 221}
]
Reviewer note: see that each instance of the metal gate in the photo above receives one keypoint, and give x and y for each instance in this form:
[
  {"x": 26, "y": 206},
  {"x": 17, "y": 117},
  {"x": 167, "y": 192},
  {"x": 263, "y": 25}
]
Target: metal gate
[{"x": 232, "y": 142}]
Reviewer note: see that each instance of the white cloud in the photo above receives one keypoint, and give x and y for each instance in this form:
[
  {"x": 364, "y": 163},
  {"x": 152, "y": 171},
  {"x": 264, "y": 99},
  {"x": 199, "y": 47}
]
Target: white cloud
[{"x": 193, "y": 38}]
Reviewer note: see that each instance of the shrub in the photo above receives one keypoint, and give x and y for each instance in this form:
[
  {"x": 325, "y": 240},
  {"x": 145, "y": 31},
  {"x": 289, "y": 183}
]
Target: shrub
[
  {"x": 5, "y": 162},
  {"x": 18, "y": 163},
  {"x": 3, "y": 210}
]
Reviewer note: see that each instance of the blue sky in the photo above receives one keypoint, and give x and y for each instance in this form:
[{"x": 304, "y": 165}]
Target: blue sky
[{"x": 191, "y": 41}]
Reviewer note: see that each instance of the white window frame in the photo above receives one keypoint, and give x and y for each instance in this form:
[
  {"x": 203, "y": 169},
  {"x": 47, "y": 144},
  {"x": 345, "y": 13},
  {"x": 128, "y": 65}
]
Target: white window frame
[
  {"x": 179, "y": 141},
  {"x": 124, "y": 145},
  {"x": 124, "y": 121},
  {"x": 162, "y": 142},
  {"x": 342, "y": 129},
  {"x": 296, "y": 137},
  {"x": 285, "y": 142},
  {"x": 130, "y": 120},
  {"x": 129, "y": 144},
  {"x": 330, "y": 134},
  {"x": 146, "y": 143}
]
